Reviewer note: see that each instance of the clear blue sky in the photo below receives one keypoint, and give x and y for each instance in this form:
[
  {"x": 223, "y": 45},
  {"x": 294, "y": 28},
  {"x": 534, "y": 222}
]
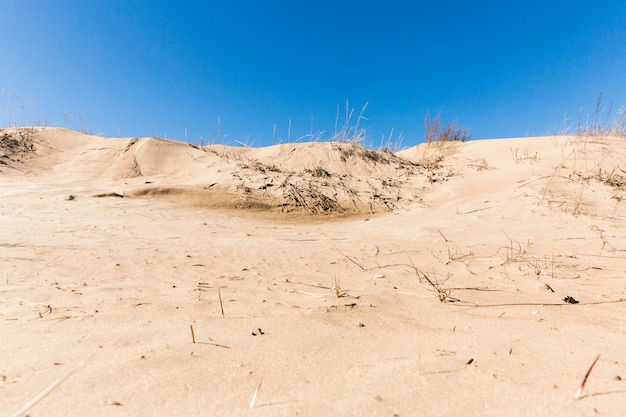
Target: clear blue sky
[{"x": 163, "y": 68}]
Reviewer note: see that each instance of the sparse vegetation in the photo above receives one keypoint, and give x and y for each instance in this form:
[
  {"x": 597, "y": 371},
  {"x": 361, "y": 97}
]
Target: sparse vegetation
[
  {"x": 391, "y": 143},
  {"x": 440, "y": 287},
  {"x": 440, "y": 141},
  {"x": 606, "y": 121},
  {"x": 318, "y": 172},
  {"x": 349, "y": 133},
  {"x": 443, "y": 295},
  {"x": 355, "y": 151},
  {"x": 310, "y": 198},
  {"x": 318, "y": 190},
  {"x": 350, "y": 130},
  {"x": 257, "y": 166},
  {"x": 479, "y": 164},
  {"x": 436, "y": 132},
  {"x": 524, "y": 155}
]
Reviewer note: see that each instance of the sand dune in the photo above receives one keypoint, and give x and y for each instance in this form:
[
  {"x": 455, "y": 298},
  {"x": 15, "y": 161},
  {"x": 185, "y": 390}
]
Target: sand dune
[{"x": 477, "y": 278}]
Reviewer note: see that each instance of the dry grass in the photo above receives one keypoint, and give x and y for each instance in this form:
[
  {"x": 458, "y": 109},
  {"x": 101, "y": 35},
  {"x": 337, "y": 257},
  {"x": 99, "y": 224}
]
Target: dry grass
[
  {"x": 311, "y": 198},
  {"x": 581, "y": 388},
  {"x": 255, "y": 165},
  {"x": 605, "y": 121},
  {"x": 336, "y": 289},
  {"x": 440, "y": 141},
  {"x": 318, "y": 172},
  {"x": 587, "y": 167},
  {"x": 391, "y": 143},
  {"x": 436, "y": 132},
  {"x": 455, "y": 255},
  {"x": 347, "y": 132},
  {"x": 443, "y": 294},
  {"x": 524, "y": 155},
  {"x": 517, "y": 253},
  {"x": 354, "y": 151}
]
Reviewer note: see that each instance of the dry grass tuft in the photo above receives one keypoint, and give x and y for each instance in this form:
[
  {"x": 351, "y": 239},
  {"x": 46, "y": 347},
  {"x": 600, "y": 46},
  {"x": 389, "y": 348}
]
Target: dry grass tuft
[
  {"x": 605, "y": 122},
  {"x": 349, "y": 133},
  {"x": 440, "y": 141},
  {"x": 354, "y": 151},
  {"x": 436, "y": 132},
  {"x": 310, "y": 198},
  {"x": 336, "y": 289},
  {"x": 443, "y": 294},
  {"x": 258, "y": 166},
  {"x": 318, "y": 172},
  {"x": 524, "y": 155}
]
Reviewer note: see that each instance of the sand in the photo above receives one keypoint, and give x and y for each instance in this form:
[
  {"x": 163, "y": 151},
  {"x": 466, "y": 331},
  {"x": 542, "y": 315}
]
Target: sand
[{"x": 478, "y": 279}]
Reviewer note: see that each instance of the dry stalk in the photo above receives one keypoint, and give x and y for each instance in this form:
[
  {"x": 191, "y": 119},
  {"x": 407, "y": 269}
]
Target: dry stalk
[
  {"x": 336, "y": 289},
  {"x": 219, "y": 294},
  {"x": 581, "y": 388},
  {"x": 354, "y": 261},
  {"x": 456, "y": 256},
  {"x": 22, "y": 411},
  {"x": 256, "y": 392},
  {"x": 442, "y": 294}
]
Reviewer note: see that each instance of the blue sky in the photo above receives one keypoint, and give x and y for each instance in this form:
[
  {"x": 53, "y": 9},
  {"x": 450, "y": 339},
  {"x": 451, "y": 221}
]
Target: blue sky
[{"x": 172, "y": 68}]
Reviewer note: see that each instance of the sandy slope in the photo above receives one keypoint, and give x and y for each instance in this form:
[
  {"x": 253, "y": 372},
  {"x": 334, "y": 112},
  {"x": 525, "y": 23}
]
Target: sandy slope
[{"x": 322, "y": 253}]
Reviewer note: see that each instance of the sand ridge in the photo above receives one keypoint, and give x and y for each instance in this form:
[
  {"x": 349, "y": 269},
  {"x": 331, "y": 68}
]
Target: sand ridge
[
  {"x": 444, "y": 284},
  {"x": 336, "y": 179}
]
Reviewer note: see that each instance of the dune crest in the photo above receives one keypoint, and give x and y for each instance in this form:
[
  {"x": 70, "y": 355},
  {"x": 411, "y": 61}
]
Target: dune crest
[{"x": 336, "y": 179}]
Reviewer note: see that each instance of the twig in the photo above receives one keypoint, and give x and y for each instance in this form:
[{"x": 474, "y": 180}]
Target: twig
[
  {"x": 193, "y": 336},
  {"x": 582, "y": 384},
  {"x": 308, "y": 285},
  {"x": 311, "y": 294},
  {"x": 621, "y": 300},
  {"x": 42, "y": 394},
  {"x": 215, "y": 344},
  {"x": 219, "y": 293},
  {"x": 353, "y": 261},
  {"x": 256, "y": 392}
]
